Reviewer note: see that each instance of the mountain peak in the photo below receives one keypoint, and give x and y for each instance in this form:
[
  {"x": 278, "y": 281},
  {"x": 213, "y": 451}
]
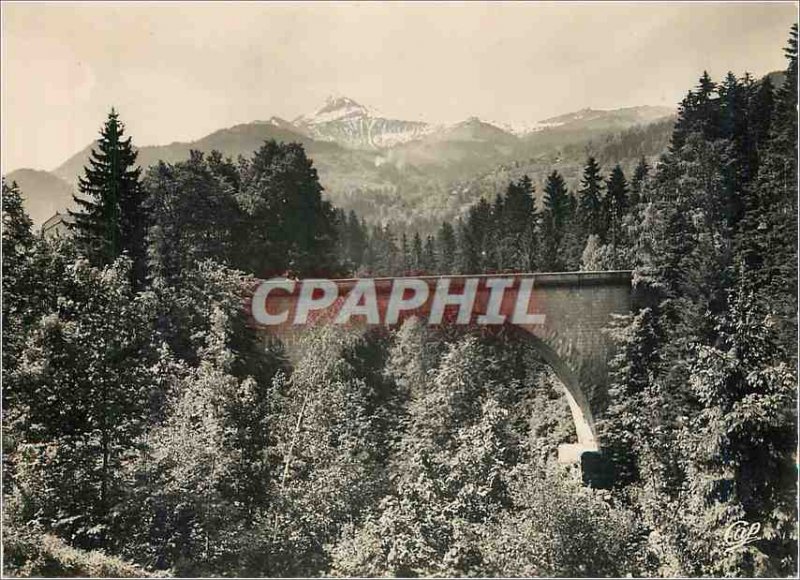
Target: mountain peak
[
  {"x": 336, "y": 108},
  {"x": 599, "y": 119},
  {"x": 333, "y": 102}
]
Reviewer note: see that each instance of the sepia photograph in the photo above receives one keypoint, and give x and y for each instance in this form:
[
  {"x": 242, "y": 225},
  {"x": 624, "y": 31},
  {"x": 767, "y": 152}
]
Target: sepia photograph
[{"x": 434, "y": 289}]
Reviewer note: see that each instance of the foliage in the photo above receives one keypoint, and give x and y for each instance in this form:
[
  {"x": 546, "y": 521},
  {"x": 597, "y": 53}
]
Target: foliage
[
  {"x": 193, "y": 214},
  {"x": 561, "y": 529},
  {"x": 79, "y": 402},
  {"x": 29, "y": 554},
  {"x": 288, "y": 226},
  {"x": 18, "y": 248}
]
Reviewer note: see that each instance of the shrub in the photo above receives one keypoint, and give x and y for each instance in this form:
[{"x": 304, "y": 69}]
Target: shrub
[{"x": 28, "y": 553}]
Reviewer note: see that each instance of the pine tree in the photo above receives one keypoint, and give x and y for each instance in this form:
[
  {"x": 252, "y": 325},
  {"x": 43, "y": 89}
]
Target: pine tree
[
  {"x": 357, "y": 240},
  {"x": 707, "y": 378},
  {"x": 18, "y": 295},
  {"x": 429, "y": 257},
  {"x": 745, "y": 388},
  {"x": 342, "y": 238},
  {"x": 734, "y": 128},
  {"x": 494, "y": 242},
  {"x": 556, "y": 199},
  {"x": 760, "y": 108},
  {"x": 707, "y": 107},
  {"x": 554, "y": 222},
  {"x": 640, "y": 175},
  {"x": 111, "y": 220},
  {"x": 767, "y": 243},
  {"x": 368, "y": 260},
  {"x": 637, "y": 338},
  {"x": 17, "y": 226},
  {"x": 446, "y": 246},
  {"x": 472, "y": 238},
  {"x": 590, "y": 203},
  {"x": 466, "y": 253},
  {"x": 405, "y": 255},
  {"x": 615, "y": 204},
  {"x": 497, "y": 206},
  {"x": 698, "y": 112},
  {"x": 384, "y": 255},
  {"x": 417, "y": 254},
  {"x": 518, "y": 228}
]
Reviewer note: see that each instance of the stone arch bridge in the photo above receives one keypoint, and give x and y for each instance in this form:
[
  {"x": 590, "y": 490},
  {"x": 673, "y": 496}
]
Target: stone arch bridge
[{"x": 564, "y": 315}]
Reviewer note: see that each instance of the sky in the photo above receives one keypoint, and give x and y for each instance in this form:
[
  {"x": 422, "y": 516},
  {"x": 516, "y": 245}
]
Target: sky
[{"x": 177, "y": 71}]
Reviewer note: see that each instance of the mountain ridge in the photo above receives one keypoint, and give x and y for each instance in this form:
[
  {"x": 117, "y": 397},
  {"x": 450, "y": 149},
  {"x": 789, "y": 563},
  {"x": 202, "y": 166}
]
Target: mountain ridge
[
  {"x": 355, "y": 149},
  {"x": 343, "y": 124}
]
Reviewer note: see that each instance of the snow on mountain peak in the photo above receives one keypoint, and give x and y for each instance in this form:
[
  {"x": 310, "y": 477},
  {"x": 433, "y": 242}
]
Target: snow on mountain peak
[
  {"x": 344, "y": 121},
  {"x": 333, "y": 102},
  {"x": 337, "y": 108}
]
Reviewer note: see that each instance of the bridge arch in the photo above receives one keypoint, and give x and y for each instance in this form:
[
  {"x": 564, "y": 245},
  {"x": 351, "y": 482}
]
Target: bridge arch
[
  {"x": 578, "y": 403},
  {"x": 564, "y": 316}
]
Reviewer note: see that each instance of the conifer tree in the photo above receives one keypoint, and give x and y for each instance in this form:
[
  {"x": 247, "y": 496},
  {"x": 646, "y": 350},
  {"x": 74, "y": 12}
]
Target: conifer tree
[
  {"x": 417, "y": 253},
  {"x": 685, "y": 108},
  {"x": 707, "y": 107},
  {"x": 760, "y": 108},
  {"x": 615, "y": 204},
  {"x": 446, "y": 246},
  {"x": 637, "y": 182},
  {"x": 591, "y": 201},
  {"x": 494, "y": 242},
  {"x": 556, "y": 199},
  {"x": 385, "y": 255},
  {"x": 746, "y": 390},
  {"x": 405, "y": 255},
  {"x": 518, "y": 225},
  {"x": 713, "y": 364},
  {"x": 698, "y": 112},
  {"x": 497, "y": 206},
  {"x": 734, "y": 129},
  {"x": 357, "y": 240},
  {"x": 18, "y": 241},
  {"x": 554, "y": 221},
  {"x": 574, "y": 241},
  {"x": 767, "y": 242},
  {"x": 472, "y": 238},
  {"x": 17, "y": 226},
  {"x": 429, "y": 257},
  {"x": 368, "y": 255},
  {"x": 111, "y": 219},
  {"x": 466, "y": 252}
]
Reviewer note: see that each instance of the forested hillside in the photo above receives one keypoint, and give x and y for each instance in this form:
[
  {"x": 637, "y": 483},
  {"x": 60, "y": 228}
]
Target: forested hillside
[{"x": 148, "y": 430}]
